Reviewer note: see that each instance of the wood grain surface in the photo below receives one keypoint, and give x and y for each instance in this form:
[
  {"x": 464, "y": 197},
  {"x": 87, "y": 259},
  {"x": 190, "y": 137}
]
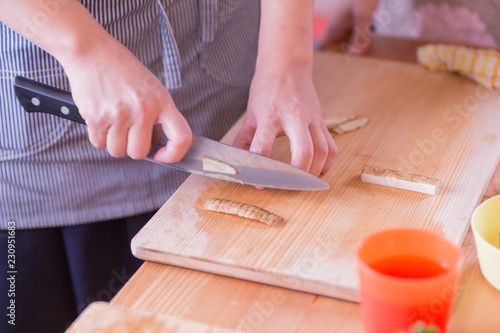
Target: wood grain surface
[
  {"x": 434, "y": 124},
  {"x": 101, "y": 317},
  {"x": 234, "y": 303},
  {"x": 253, "y": 307}
]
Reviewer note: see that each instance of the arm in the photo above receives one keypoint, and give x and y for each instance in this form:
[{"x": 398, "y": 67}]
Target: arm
[
  {"x": 282, "y": 99},
  {"x": 118, "y": 97}
]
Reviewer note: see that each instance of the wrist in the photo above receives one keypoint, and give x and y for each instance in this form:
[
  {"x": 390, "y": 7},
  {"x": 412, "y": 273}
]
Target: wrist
[
  {"x": 71, "y": 34},
  {"x": 79, "y": 48},
  {"x": 286, "y": 36},
  {"x": 285, "y": 65}
]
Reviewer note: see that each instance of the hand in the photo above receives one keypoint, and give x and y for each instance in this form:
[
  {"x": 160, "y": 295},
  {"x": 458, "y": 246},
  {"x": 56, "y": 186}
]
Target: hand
[
  {"x": 118, "y": 97},
  {"x": 354, "y": 18},
  {"x": 284, "y": 102},
  {"x": 121, "y": 100}
]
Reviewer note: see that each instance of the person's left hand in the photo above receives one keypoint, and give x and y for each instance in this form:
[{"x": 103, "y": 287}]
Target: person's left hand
[{"x": 284, "y": 102}]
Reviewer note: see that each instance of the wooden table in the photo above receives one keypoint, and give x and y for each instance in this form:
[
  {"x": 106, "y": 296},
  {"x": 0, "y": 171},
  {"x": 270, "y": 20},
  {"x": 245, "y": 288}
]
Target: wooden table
[{"x": 253, "y": 307}]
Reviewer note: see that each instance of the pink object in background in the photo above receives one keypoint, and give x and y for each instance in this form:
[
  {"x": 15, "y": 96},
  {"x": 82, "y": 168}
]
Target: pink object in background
[
  {"x": 452, "y": 25},
  {"x": 319, "y": 27}
]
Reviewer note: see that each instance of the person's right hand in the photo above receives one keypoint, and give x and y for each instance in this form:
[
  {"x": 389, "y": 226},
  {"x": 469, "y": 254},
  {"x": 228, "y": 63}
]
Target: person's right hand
[
  {"x": 352, "y": 17},
  {"x": 121, "y": 100}
]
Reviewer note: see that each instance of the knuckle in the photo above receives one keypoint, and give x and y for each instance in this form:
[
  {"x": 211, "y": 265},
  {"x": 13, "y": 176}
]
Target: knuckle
[
  {"x": 93, "y": 123},
  {"x": 322, "y": 149},
  {"x": 121, "y": 114},
  {"x": 304, "y": 150},
  {"x": 117, "y": 153},
  {"x": 265, "y": 135},
  {"x": 269, "y": 117},
  {"x": 257, "y": 147},
  {"x": 137, "y": 154},
  {"x": 98, "y": 122},
  {"x": 184, "y": 138},
  {"x": 97, "y": 138},
  {"x": 296, "y": 108},
  {"x": 333, "y": 151},
  {"x": 99, "y": 144},
  {"x": 157, "y": 98}
]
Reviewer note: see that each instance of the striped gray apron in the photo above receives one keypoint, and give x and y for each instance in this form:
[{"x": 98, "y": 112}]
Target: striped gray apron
[{"x": 203, "y": 51}]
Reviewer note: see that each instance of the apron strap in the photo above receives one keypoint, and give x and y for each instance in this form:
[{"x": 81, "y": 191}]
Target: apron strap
[
  {"x": 172, "y": 65},
  {"x": 208, "y": 13}
]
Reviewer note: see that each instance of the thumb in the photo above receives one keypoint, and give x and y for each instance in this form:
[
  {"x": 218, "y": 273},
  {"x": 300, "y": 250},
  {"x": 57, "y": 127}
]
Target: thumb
[{"x": 179, "y": 137}]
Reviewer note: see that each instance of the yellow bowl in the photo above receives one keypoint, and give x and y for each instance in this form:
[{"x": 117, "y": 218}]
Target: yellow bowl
[{"x": 486, "y": 229}]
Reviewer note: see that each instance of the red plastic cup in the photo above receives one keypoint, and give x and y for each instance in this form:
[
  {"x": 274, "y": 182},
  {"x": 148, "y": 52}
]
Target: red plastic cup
[{"x": 407, "y": 276}]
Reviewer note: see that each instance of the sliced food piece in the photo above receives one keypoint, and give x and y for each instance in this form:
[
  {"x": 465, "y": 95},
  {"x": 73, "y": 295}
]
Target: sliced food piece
[
  {"x": 399, "y": 179},
  {"x": 334, "y": 122},
  {"x": 243, "y": 210},
  {"x": 350, "y": 126},
  {"x": 224, "y": 177},
  {"x": 213, "y": 165}
]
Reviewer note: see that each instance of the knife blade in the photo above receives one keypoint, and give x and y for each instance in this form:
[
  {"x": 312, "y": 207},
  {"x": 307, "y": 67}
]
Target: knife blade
[{"x": 250, "y": 168}]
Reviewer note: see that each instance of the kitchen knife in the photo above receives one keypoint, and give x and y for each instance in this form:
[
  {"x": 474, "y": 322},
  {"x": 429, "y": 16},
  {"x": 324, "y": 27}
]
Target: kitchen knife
[{"x": 248, "y": 168}]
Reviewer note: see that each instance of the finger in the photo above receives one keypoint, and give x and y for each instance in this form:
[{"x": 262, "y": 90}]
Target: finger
[
  {"x": 332, "y": 151},
  {"x": 245, "y": 136},
  {"x": 320, "y": 146},
  {"x": 179, "y": 137},
  {"x": 139, "y": 140},
  {"x": 116, "y": 140},
  {"x": 301, "y": 146},
  {"x": 97, "y": 136},
  {"x": 263, "y": 141}
]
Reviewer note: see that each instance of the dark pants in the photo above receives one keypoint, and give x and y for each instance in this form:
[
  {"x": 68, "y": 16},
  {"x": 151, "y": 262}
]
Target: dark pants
[{"x": 59, "y": 271}]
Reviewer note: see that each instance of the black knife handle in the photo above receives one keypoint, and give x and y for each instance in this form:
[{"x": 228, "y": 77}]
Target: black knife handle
[{"x": 38, "y": 97}]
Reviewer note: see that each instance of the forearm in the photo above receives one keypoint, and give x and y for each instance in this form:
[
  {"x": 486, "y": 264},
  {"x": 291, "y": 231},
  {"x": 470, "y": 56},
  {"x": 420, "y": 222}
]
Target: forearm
[
  {"x": 63, "y": 28},
  {"x": 282, "y": 98},
  {"x": 286, "y": 34},
  {"x": 108, "y": 83}
]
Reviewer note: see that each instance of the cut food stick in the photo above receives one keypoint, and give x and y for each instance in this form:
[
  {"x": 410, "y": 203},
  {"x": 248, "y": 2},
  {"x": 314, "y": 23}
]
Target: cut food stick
[
  {"x": 350, "y": 126},
  {"x": 243, "y": 210},
  {"x": 213, "y": 165},
  {"x": 224, "y": 177},
  {"x": 398, "y": 179},
  {"x": 333, "y": 122}
]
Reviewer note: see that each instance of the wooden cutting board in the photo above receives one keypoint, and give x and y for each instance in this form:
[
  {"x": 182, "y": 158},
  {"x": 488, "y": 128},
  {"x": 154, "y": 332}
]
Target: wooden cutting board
[
  {"x": 434, "y": 124},
  {"x": 101, "y": 317}
]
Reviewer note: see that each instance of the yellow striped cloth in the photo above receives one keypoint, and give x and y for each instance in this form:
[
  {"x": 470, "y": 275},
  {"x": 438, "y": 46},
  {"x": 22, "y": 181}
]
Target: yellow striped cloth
[{"x": 480, "y": 65}]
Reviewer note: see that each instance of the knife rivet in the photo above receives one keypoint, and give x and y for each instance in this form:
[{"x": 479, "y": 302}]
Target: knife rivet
[
  {"x": 64, "y": 110},
  {"x": 35, "y": 101}
]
